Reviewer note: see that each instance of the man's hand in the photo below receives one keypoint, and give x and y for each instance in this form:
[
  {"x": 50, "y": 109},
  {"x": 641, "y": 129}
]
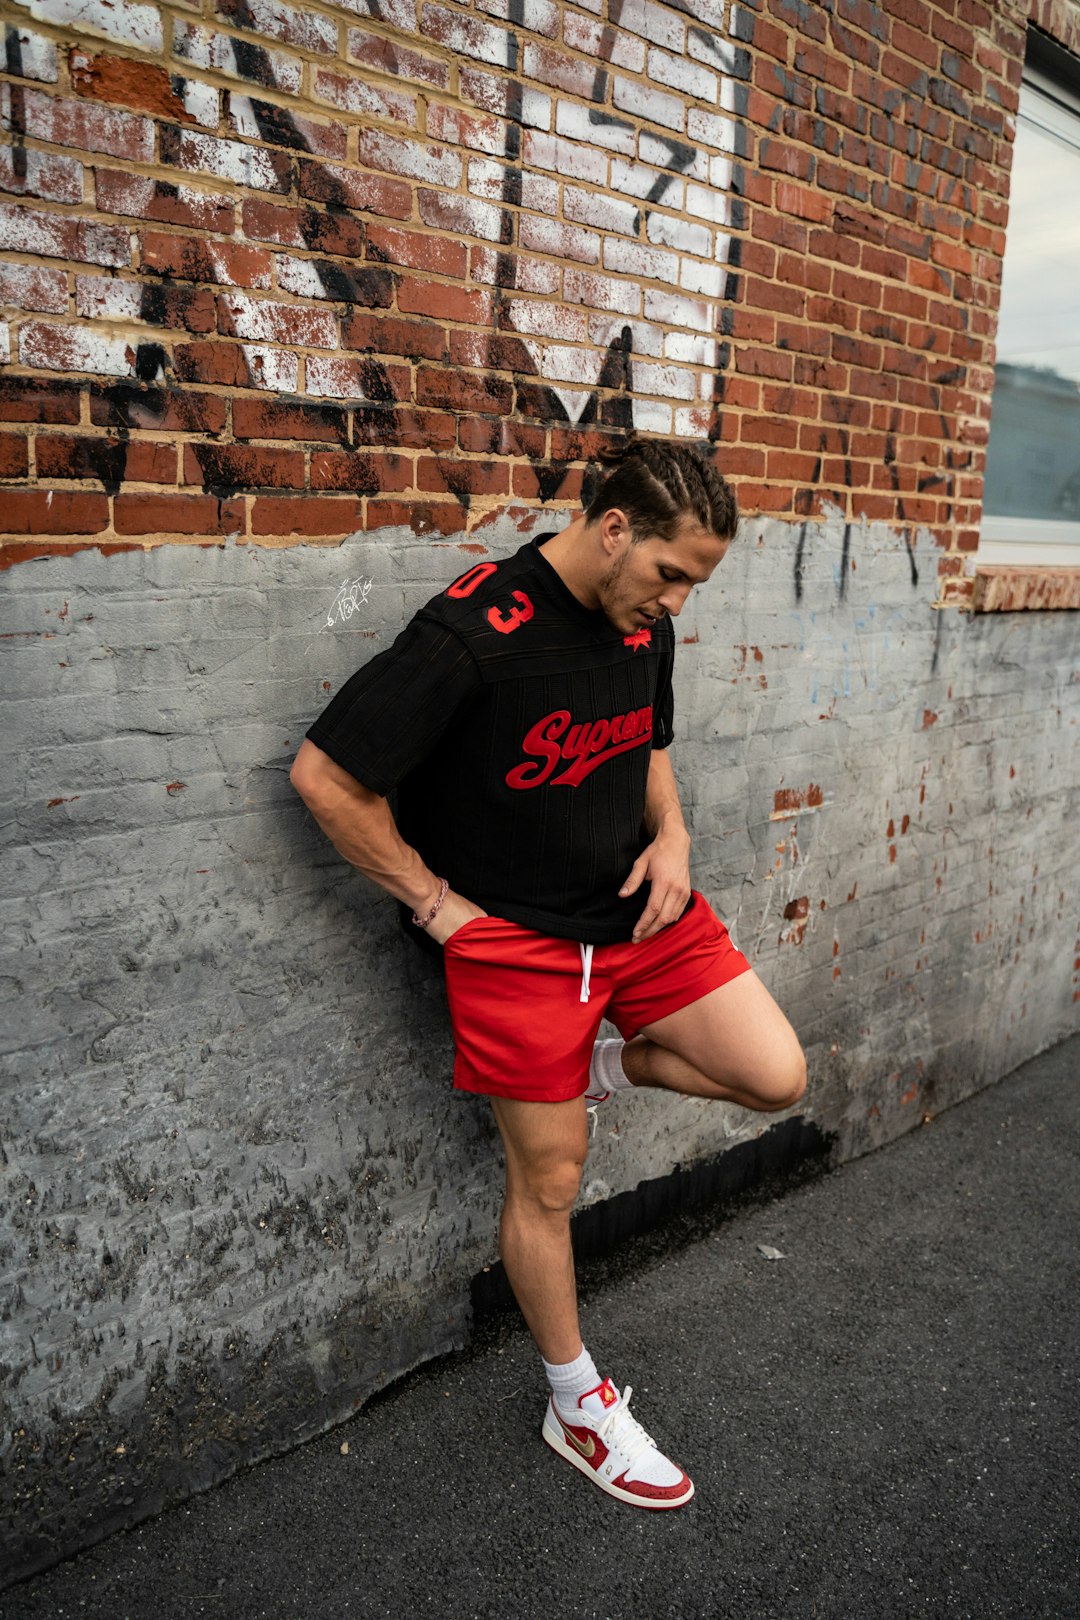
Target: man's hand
[
  {"x": 666, "y": 864},
  {"x": 453, "y": 914}
]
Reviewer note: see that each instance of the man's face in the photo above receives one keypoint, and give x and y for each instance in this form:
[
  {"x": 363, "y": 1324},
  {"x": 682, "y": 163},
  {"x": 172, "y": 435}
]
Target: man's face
[{"x": 646, "y": 582}]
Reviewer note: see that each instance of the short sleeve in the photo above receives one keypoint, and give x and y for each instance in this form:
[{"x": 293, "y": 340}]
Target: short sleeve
[
  {"x": 389, "y": 715},
  {"x": 664, "y": 703}
]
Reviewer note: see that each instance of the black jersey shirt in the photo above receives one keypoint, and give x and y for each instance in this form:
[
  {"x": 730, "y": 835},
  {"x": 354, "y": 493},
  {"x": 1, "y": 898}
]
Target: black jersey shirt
[{"x": 516, "y": 726}]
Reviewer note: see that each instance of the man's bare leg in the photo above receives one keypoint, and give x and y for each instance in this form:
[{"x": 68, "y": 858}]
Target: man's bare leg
[
  {"x": 545, "y": 1145},
  {"x": 734, "y": 1045}
]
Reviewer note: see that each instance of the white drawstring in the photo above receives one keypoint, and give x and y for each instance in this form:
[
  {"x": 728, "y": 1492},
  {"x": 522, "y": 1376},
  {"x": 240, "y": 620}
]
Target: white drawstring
[{"x": 586, "y": 970}]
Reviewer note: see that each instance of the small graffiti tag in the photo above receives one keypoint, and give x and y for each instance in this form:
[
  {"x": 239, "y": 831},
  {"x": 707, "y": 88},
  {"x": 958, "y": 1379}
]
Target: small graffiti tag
[{"x": 350, "y": 599}]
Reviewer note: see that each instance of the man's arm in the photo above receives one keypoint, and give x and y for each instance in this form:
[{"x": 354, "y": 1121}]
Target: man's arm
[
  {"x": 665, "y": 862},
  {"x": 361, "y": 827}
]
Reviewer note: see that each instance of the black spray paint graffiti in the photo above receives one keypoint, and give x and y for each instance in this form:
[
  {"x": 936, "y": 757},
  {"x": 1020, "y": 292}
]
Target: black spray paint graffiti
[{"x": 151, "y": 398}]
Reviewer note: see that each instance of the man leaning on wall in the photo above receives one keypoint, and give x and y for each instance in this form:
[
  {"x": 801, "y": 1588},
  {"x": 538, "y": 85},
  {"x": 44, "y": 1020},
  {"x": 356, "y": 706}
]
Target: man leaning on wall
[{"x": 523, "y": 719}]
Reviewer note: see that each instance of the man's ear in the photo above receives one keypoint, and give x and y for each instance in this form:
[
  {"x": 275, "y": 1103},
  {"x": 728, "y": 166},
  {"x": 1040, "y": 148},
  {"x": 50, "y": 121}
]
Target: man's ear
[{"x": 614, "y": 530}]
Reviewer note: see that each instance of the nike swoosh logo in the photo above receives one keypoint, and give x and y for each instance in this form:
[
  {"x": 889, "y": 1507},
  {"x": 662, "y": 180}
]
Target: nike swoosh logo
[{"x": 587, "y": 1448}]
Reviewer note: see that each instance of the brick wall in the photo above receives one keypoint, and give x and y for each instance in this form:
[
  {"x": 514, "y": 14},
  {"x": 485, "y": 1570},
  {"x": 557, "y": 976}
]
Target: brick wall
[{"x": 282, "y": 273}]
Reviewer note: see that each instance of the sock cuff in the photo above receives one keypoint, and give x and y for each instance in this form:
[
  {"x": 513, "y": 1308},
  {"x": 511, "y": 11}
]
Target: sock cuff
[
  {"x": 606, "y": 1065},
  {"x": 572, "y": 1379}
]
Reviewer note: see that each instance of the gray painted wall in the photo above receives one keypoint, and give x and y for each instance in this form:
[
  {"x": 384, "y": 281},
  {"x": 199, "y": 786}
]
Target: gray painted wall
[{"x": 238, "y": 1193}]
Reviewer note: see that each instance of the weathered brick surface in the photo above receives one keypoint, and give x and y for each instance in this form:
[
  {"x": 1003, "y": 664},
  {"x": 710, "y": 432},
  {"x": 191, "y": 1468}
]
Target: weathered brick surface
[{"x": 782, "y": 198}]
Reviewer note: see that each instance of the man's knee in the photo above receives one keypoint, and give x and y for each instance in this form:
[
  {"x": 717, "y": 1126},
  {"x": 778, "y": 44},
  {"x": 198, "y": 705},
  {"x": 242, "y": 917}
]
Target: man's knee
[
  {"x": 551, "y": 1187},
  {"x": 784, "y": 1083}
]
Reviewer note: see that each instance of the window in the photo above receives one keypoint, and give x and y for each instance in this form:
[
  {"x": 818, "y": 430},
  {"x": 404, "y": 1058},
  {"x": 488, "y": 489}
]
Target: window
[{"x": 1031, "y": 496}]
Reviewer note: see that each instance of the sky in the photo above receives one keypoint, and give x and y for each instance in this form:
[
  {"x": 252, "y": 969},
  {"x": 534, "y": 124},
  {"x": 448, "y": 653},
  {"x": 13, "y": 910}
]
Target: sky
[{"x": 1040, "y": 299}]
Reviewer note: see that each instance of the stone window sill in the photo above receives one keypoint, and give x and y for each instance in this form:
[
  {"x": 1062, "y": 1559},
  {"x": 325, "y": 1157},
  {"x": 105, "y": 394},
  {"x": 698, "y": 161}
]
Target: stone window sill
[{"x": 1005, "y": 589}]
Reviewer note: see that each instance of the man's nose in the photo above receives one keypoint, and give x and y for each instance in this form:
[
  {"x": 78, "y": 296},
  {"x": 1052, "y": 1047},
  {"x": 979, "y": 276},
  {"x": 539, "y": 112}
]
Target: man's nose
[{"x": 673, "y": 600}]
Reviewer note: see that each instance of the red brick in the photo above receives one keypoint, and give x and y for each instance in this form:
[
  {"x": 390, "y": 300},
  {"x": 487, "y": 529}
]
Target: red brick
[
  {"x": 163, "y": 410},
  {"x": 757, "y": 259},
  {"x": 853, "y": 289},
  {"x": 819, "y": 64},
  {"x": 802, "y": 203},
  {"x": 143, "y": 461},
  {"x": 742, "y": 462},
  {"x": 786, "y": 159},
  {"x": 750, "y": 325},
  {"x": 769, "y": 430},
  {"x": 791, "y": 464},
  {"x": 81, "y": 127},
  {"x": 801, "y": 339},
  {"x": 491, "y": 352},
  {"x": 742, "y": 393},
  {"x": 458, "y": 477},
  {"x": 269, "y": 419},
  {"x": 145, "y": 198},
  {"x": 193, "y": 259},
  {"x": 455, "y": 391},
  {"x": 812, "y": 131},
  {"x": 105, "y": 298},
  {"x": 831, "y": 312},
  {"x": 432, "y": 253},
  {"x": 872, "y": 384},
  {"x": 528, "y": 484},
  {"x": 305, "y": 515},
  {"x": 356, "y": 188},
  {"x": 121, "y": 82},
  {"x": 405, "y": 428},
  {"x": 423, "y": 517},
  {"x": 765, "y": 497},
  {"x": 444, "y": 303},
  {"x": 487, "y": 435},
  {"x": 573, "y": 444},
  {"x": 803, "y": 272},
  {"x": 913, "y": 42},
  {"x": 763, "y": 363},
  {"x": 360, "y": 471},
  {"x": 781, "y": 400},
  {"x": 392, "y": 58},
  {"x": 769, "y": 40},
  {"x": 222, "y": 363},
  {"x": 419, "y": 340},
  {"x": 231, "y": 466},
  {"x": 813, "y": 373},
  {"x": 166, "y": 514},
  {"x": 31, "y": 399},
  {"x": 14, "y": 456},
  {"x": 41, "y": 511},
  {"x": 759, "y": 294}
]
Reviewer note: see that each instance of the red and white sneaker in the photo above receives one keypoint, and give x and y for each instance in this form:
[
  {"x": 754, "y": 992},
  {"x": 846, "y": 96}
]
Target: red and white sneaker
[{"x": 612, "y": 1448}]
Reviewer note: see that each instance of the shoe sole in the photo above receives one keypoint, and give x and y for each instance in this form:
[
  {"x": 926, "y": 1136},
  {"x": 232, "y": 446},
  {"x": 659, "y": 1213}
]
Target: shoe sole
[{"x": 557, "y": 1443}]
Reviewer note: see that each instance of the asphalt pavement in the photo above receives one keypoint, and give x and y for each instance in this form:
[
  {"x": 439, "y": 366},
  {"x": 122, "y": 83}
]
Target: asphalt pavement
[{"x": 882, "y": 1422}]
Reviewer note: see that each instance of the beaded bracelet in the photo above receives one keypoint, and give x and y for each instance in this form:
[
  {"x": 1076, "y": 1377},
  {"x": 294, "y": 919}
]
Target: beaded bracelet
[{"x": 422, "y": 922}]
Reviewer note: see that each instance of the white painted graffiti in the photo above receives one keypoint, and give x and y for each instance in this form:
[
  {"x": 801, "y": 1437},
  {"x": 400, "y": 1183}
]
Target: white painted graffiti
[{"x": 350, "y": 599}]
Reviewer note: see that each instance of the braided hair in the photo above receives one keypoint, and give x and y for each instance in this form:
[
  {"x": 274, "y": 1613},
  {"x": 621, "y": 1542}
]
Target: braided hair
[{"x": 658, "y": 483}]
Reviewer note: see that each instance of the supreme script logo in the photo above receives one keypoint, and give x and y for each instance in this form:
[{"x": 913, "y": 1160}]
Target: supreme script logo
[{"x": 586, "y": 745}]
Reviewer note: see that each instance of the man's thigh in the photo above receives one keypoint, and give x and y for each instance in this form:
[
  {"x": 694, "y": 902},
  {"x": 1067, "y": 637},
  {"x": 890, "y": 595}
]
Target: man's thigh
[{"x": 737, "y": 1035}]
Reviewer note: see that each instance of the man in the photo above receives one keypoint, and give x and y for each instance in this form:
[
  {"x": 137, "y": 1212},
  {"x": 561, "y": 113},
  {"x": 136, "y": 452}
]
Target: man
[{"x": 524, "y": 717}]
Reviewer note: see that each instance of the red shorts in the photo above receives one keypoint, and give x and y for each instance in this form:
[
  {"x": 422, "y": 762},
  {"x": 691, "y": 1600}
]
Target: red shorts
[{"x": 521, "y": 1025}]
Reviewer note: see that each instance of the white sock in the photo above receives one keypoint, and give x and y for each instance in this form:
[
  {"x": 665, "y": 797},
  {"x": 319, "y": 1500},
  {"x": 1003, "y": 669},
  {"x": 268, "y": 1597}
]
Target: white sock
[
  {"x": 571, "y": 1380},
  {"x": 605, "y": 1066}
]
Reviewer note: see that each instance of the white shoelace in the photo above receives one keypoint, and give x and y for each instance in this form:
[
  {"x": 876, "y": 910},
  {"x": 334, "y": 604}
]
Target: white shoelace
[{"x": 621, "y": 1432}]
